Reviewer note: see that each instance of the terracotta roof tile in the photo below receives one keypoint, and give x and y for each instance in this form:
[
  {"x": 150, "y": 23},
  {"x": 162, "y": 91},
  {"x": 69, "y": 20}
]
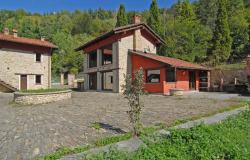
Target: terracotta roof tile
[
  {"x": 24, "y": 40},
  {"x": 171, "y": 61}
]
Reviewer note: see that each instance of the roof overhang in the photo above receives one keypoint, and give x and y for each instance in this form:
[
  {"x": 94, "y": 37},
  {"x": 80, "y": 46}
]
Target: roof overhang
[{"x": 170, "y": 61}]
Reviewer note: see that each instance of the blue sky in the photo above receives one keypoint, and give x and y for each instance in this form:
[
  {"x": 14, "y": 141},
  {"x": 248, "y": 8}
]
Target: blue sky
[{"x": 45, "y": 6}]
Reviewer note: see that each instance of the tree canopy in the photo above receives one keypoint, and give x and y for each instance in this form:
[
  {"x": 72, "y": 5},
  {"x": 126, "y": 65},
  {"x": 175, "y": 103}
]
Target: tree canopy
[
  {"x": 222, "y": 41},
  {"x": 215, "y": 30},
  {"x": 121, "y": 19}
]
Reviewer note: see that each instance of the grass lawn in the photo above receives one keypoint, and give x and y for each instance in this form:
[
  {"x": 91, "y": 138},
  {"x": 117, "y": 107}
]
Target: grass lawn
[
  {"x": 43, "y": 90},
  {"x": 227, "y": 140}
]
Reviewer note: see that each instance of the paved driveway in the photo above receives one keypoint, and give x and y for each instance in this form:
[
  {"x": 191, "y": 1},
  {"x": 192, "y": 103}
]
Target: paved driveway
[{"x": 29, "y": 131}]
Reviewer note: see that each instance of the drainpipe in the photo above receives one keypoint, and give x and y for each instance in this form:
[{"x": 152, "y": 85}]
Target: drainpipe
[{"x": 175, "y": 77}]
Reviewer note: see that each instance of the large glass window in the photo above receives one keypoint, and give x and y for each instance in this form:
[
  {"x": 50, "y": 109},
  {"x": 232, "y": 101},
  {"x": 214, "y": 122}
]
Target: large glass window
[
  {"x": 93, "y": 59},
  {"x": 170, "y": 75},
  {"x": 107, "y": 55},
  {"x": 153, "y": 76}
]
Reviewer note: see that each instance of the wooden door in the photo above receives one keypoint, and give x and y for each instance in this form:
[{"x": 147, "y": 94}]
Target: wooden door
[
  {"x": 23, "y": 82},
  {"x": 192, "y": 80}
]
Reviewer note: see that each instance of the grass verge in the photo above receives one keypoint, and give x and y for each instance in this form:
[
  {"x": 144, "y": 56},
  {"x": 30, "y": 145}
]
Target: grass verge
[
  {"x": 228, "y": 108},
  {"x": 43, "y": 90}
]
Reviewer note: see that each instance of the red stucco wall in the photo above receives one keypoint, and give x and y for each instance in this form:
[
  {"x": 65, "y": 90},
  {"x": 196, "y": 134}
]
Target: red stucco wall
[
  {"x": 138, "y": 61},
  {"x": 182, "y": 75}
]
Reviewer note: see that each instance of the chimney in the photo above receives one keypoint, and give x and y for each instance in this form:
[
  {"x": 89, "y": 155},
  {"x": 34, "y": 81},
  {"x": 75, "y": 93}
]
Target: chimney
[
  {"x": 136, "y": 19},
  {"x": 6, "y": 31},
  {"x": 15, "y": 33},
  {"x": 42, "y": 38}
]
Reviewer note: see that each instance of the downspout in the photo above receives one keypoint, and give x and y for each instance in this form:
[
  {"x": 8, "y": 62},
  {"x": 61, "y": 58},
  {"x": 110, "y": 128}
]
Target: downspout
[
  {"x": 175, "y": 77},
  {"x": 49, "y": 68}
]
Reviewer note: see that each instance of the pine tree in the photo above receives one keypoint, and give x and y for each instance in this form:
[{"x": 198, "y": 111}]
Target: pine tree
[
  {"x": 122, "y": 19},
  {"x": 154, "y": 19},
  {"x": 222, "y": 41},
  {"x": 184, "y": 10},
  {"x": 239, "y": 27}
]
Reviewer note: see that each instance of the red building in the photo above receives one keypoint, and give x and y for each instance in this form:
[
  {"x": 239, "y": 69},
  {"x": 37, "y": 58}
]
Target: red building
[
  {"x": 164, "y": 73},
  {"x": 125, "y": 49}
]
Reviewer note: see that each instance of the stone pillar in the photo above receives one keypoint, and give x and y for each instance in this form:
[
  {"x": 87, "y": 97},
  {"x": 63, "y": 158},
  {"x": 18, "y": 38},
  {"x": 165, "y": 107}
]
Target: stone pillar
[
  {"x": 116, "y": 81},
  {"x": 99, "y": 75},
  {"x": 99, "y": 81},
  {"x": 86, "y": 82},
  {"x": 62, "y": 79},
  {"x": 99, "y": 57},
  {"x": 115, "y": 53},
  {"x": 115, "y": 63},
  {"x": 71, "y": 80},
  {"x": 137, "y": 40},
  {"x": 208, "y": 80}
]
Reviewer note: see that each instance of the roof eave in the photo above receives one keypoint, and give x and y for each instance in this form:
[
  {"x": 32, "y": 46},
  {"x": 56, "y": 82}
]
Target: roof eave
[{"x": 94, "y": 40}]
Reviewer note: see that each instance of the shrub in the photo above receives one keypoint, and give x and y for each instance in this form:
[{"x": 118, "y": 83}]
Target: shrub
[{"x": 133, "y": 89}]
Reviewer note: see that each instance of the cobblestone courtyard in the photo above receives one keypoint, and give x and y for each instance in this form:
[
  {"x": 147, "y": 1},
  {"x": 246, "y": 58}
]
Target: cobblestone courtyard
[{"x": 30, "y": 131}]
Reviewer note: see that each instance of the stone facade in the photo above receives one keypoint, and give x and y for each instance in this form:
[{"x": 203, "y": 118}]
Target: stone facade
[
  {"x": 15, "y": 63},
  {"x": 40, "y": 98},
  {"x": 121, "y": 64}
]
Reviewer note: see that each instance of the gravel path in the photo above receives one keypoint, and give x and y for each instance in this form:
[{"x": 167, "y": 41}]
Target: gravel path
[{"x": 30, "y": 131}]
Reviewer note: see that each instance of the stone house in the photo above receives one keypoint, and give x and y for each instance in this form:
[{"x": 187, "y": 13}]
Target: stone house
[
  {"x": 125, "y": 49},
  {"x": 25, "y": 63}
]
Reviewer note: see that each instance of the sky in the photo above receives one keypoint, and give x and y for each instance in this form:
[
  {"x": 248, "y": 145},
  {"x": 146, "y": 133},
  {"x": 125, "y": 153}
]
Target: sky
[{"x": 46, "y": 6}]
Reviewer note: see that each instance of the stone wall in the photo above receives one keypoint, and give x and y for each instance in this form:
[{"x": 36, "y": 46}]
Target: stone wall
[
  {"x": 15, "y": 63},
  {"x": 124, "y": 60},
  {"x": 142, "y": 44},
  {"x": 40, "y": 98}
]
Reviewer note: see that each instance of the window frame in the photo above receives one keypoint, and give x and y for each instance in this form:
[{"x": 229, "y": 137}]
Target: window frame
[
  {"x": 36, "y": 79},
  {"x": 154, "y": 69},
  {"x": 174, "y": 74}
]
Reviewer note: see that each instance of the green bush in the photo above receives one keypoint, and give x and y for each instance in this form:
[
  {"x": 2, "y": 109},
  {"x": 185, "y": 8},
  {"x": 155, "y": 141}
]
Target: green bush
[
  {"x": 43, "y": 90},
  {"x": 227, "y": 140}
]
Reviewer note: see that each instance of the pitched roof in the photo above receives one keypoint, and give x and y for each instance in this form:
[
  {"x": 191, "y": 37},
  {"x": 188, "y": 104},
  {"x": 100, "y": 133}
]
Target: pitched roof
[
  {"x": 120, "y": 30},
  {"x": 23, "y": 40},
  {"x": 170, "y": 61}
]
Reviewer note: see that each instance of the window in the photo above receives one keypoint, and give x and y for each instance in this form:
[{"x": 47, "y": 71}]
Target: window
[
  {"x": 170, "y": 75},
  {"x": 111, "y": 79},
  {"x": 38, "y": 57},
  {"x": 107, "y": 55},
  {"x": 106, "y": 58},
  {"x": 93, "y": 59},
  {"x": 38, "y": 79},
  {"x": 153, "y": 76}
]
